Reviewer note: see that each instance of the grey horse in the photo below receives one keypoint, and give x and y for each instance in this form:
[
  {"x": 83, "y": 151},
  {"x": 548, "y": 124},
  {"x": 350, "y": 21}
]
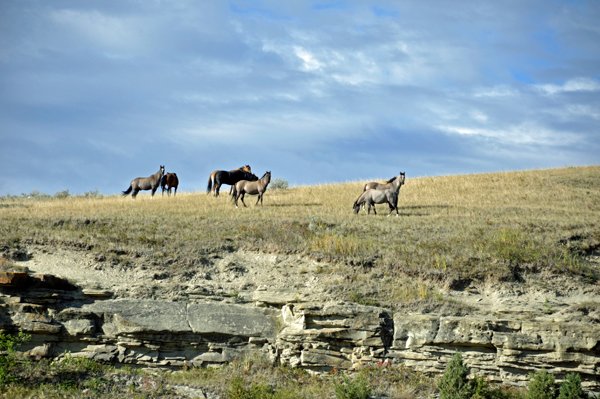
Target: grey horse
[
  {"x": 372, "y": 197},
  {"x": 384, "y": 186},
  {"x": 251, "y": 187},
  {"x": 145, "y": 183},
  {"x": 387, "y": 194}
]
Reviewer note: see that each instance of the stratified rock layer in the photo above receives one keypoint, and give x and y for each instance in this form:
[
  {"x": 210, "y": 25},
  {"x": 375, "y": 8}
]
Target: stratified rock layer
[{"x": 315, "y": 336}]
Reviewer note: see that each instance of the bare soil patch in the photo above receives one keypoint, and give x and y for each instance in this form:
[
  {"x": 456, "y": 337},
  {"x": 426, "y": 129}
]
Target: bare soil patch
[{"x": 251, "y": 277}]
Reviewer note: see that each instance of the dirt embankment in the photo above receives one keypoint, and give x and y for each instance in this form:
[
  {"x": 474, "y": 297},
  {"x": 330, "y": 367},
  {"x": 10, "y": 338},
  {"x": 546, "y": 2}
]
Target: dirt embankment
[{"x": 240, "y": 275}]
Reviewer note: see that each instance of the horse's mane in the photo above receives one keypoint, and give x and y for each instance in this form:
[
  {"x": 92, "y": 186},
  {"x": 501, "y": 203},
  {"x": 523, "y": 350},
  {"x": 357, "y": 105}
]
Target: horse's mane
[
  {"x": 392, "y": 179},
  {"x": 263, "y": 176}
]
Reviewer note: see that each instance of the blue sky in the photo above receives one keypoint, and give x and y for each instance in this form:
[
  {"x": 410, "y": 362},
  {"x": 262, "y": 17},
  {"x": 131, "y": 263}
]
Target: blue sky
[{"x": 96, "y": 93}]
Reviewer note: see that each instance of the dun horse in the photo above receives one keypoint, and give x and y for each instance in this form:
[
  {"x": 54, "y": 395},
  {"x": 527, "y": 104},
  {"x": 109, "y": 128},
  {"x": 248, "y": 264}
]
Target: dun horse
[
  {"x": 251, "y": 187},
  {"x": 211, "y": 179},
  {"x": 145, "y": 183},
  {"x": 382, "y": 186},
  {"x": 379, "y": 186},
  {"x": 169, "y": 180},
  {"x": 389, "y": 195}
]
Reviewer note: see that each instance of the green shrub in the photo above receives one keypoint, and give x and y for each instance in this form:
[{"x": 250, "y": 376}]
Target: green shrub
[
  {"x": 454, "y": 383},
  {"x": 348, "y": 389},
  {"x": 8, "y": 359},
  {"x": 541, "y": 386},
  {"x": 571, "y": 388},
  {"x": 238, "y": 390}
]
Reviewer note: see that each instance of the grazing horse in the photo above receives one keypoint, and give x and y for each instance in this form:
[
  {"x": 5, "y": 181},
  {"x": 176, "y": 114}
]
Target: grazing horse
[
  {"x": 211, "y": 179},
  {"x": 372, "y": 197},
  {"x": 169, "y": 180},
  {"x": 224, "y": 177},
  {"x": 251, "y": 187},
  {"x": 387, "y": 195},
  {"x": 145, "y": 183}
]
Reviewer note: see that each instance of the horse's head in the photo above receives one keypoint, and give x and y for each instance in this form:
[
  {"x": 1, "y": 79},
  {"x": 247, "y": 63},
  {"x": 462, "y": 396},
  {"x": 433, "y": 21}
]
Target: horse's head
[
  {"x": 402, "y": 176},
  {"x": 356, "y": 207},
  {"x": 247, "y": 168}
]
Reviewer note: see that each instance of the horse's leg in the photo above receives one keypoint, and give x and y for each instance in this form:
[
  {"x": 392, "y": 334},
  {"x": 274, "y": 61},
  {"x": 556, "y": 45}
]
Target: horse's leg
[
  {"x": 175, "y": 193},
  {"x": 153, "y": 191},
  {"x": 259, "y": 199},
  {"x": 135, "y": 192},
  {"x": 242, "y": 193}
]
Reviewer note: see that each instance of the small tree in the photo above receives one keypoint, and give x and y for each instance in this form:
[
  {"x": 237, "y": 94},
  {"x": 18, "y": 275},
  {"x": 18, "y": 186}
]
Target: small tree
[
  {"x": 541, "y": 386},
  {"x": 571, "y": 388},
  {"x": 454, "y": 384}
]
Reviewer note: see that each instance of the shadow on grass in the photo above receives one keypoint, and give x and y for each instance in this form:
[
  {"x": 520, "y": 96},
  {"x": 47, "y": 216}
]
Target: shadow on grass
[{"x": 292, "y": 204}]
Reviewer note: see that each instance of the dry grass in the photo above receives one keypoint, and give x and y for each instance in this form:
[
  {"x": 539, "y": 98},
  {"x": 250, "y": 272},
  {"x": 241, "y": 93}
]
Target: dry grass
[{"x": 461, "y": 227}]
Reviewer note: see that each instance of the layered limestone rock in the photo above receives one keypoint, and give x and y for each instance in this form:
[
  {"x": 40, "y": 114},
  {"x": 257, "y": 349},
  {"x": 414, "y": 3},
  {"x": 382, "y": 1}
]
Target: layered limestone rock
[{"x": 314, "y": 336}]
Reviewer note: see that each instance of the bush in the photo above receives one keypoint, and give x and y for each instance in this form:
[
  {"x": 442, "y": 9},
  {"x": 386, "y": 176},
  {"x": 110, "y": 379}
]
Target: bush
[
  {"x": 348, "y": 389},
  {"x": 454, "y": 383},
  {"x": 541, "y": 386},
  {"x": 62, "y": 194},
  {"x": 238, "y": 390},
  {"x": 278, "y": 184},
  {"x": 8, "y": 359},
  {"x": 571, "y": 388}
]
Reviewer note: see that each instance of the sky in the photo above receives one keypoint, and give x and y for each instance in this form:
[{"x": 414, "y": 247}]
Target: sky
[{"x": 96, "y": 93}]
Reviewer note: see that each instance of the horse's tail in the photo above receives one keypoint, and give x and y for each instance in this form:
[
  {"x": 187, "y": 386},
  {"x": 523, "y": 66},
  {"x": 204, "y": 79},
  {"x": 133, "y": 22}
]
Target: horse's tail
[
  {"x": 128, "y": 191},
  {"x": 210, "y": 183},
  {"x": 234, "y": 192}
]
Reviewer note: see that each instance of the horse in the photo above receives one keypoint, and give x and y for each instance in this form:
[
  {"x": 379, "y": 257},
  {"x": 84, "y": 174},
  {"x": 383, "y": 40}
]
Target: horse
[
  {"x": 383, "y": 186},
  {"x": 169, "y": 180},
  {"x": 251, "y": 187},
  {"x": 145, "y": 183},
  {"x": 372, "y": 197},
  {"x": 224, "y": 177},
  {"x": 389, "y": 194},
  {"x": 379, "y": 186},
  {"x": 211, "y": 179}
]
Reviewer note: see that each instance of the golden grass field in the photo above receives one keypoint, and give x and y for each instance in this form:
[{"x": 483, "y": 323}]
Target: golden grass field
[{"x": 480, "y": 226}]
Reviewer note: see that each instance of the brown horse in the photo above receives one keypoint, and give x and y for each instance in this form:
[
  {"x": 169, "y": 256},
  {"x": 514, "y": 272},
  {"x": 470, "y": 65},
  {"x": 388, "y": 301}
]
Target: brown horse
[
  {"x": 211, "y": 179},
  {"x": 169, "y": 180},
  {"x": 251, "y": 187},
  {"x": 146, "y": 183}
]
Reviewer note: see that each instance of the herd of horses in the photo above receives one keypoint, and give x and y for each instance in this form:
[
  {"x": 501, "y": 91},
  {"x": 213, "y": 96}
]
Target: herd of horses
[{"x": 243, "y": 181}]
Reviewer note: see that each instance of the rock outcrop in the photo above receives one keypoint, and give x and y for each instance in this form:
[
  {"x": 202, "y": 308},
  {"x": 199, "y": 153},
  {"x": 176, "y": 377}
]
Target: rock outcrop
[{"x": 315, "y": 336}]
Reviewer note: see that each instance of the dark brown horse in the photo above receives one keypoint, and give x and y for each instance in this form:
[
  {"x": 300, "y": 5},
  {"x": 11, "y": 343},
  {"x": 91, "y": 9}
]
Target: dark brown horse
[
  {"x": 251, "y": 187},
  {"x": 211, "y": 179},
  {"x": 145, "y": 183},
  {"x": 169, "y": 180},
  {"x": 224, "y": 177}
]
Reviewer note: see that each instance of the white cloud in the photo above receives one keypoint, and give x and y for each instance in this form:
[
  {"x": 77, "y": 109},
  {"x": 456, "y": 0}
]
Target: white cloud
[
  {"x": 495, "y": 91},
  {"x": 524, "y": 133},
  {"x": 572, "y": 85},
  {"x": 112, "y": 33}
]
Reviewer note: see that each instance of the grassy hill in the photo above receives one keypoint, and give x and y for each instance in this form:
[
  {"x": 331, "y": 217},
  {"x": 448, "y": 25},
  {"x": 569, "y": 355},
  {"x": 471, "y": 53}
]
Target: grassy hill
[{"x": 451, "y": 229}]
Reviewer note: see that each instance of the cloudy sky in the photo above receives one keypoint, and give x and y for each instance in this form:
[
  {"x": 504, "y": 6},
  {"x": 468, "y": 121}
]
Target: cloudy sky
[{"x": 96, "y": 93}]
